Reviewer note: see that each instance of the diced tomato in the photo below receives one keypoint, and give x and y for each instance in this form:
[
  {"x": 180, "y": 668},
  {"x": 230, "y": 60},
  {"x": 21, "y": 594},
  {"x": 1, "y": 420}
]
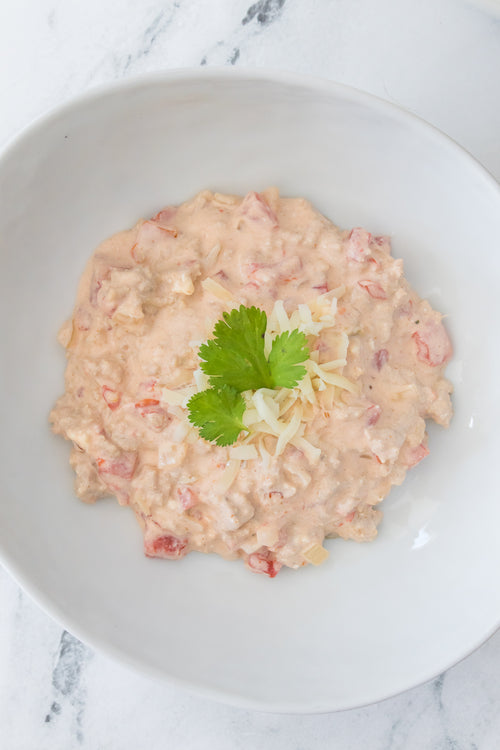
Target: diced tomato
[
  {"x": 275, "y": 495},
  {"x": 433, "y": 344},
  {"x": 145, "y": 405},
  {"x": 111, "y": 397},
  {"x": 259, "y": 274},
  {"x": 380, "y": 358},
  {"x": 150, "y": 409},
  {"x": 373, "y": 288},
  {"x": 373, "y": 414},
  {"x": 169, "y": 230},
  {"x": 404, "y": 311},
  {"x": 384, "y": 243},
  {"x": 165, "y": 216},
  {"x": 150, "y": 234},
  {"x": 263, "y": 562},
  {"x": 161, "y": 221},
  {"x": 123, "y": 466},
  {"x": 167, "y": 546},
  {"x": 254, "y": 207},
  {"x": 188, "y": 498},
  {"x": 358, "y": 245},
  {"x": 413, "y": 456}
]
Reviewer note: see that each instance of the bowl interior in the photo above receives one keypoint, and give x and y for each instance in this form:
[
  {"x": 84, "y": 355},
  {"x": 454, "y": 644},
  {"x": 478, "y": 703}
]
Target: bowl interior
[{"x": 376, "y": 618}]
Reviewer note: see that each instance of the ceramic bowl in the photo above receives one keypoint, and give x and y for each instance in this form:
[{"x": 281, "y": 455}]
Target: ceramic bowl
[{"x": 376, "y": 618}]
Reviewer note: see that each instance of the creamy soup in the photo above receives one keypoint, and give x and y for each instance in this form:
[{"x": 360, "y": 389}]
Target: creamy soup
[{"x": 330, "y": 450}]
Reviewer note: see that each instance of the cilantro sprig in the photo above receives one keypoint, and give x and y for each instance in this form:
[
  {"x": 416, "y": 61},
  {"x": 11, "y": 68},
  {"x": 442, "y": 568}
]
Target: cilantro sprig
[
  {"x": 235, "y": 361},
  {"x": 218, "y": 414}
]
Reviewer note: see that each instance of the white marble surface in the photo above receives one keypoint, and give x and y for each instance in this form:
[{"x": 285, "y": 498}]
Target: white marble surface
[{"x": 438, "y": 58}]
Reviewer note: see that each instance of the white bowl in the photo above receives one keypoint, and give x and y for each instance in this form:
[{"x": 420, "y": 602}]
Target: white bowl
[{"x": 377, "y": 618}]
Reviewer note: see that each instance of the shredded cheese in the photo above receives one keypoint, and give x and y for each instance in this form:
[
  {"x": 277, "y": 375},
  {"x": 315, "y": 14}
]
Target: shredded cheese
[
  {"x": 213, "y": 287},
  {"x": 288, "y": 433},
  {"x": 228, "y": 476},
  {"x": 280, "y": 416},
  {"x": 243, "y": 452},
  {"x": 311, "y": 452},
  {"x": 201, "y": 380},
  {"x": 173, "y": 398}
]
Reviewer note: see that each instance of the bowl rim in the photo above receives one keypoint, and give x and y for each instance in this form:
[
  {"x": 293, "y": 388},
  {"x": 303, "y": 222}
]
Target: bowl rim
[
  {"x": 223, "y": 72},
  {"x": 322, "y": 86}
]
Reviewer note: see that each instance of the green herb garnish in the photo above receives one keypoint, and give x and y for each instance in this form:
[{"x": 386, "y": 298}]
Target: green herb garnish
[
  {"x": 235, "y": 361},
  {"x": 218, "y": 414}
]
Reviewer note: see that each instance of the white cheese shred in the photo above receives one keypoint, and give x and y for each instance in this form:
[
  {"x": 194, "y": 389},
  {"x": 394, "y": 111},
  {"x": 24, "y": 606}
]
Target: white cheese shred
[
  {"x": 228, "y": 476},
  {"x": 281, "y": 415},
  {"x": 217, "y": 290},
  {"x": 243, "y": 452},
  {"x": 173, "y": 398}
]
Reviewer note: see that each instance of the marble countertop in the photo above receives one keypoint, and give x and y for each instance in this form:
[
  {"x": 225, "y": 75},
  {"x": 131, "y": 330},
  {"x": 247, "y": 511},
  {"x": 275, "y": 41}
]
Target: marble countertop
[{"x": 437, "y": 58}]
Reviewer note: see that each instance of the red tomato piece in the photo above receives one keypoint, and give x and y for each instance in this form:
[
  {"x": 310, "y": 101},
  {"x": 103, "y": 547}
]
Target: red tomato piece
[
  {"x": 433, "y": 344},
  {"x": 167, "y": 546},
  {"x": 123, "y": 466},
  {"x": 111, "y": 397},
  {"x": 165, "y": 216},
  {"x": 372, "y": 415},
  {"x": 149, "y": 385},
  {"x": 413, "y": 456},
  {"x": 263, "y": 562},
  {"x": 148, "y": 406},
  {"x": 380, "y": 358},
  {"x": 373, "y": 288},
  {"x": 254, "y": 207},
  {"x": 358, "y": 245},
  {"x": 188, "y": 498},
  {"x": 321, "y": 288}
]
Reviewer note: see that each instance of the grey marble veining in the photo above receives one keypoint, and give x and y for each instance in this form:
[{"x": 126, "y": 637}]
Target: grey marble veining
[
  {"x": 57, "y": 693},
  {"x": 439, "y": 58}
]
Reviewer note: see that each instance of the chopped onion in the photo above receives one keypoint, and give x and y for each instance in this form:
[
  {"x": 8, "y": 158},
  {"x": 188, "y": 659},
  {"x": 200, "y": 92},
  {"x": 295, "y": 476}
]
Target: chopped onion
[{"x": 316, "y": 554}]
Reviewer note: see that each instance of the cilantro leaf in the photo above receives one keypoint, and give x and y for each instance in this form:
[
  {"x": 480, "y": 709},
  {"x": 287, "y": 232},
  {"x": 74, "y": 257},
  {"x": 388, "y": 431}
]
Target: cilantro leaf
[
  {"x": 287, "y": 351},
  {"x": 235, "y": 356},
  {"x": 218, "y": 414},
  {"x": 235, "y": 361}
]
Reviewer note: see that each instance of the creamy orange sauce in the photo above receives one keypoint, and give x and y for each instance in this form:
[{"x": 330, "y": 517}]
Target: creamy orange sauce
[{"x": 142, "y": 311}]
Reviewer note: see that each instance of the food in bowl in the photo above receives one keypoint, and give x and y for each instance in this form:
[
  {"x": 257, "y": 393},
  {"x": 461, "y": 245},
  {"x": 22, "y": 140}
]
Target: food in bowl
[{"x": 298, "y": 462}]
